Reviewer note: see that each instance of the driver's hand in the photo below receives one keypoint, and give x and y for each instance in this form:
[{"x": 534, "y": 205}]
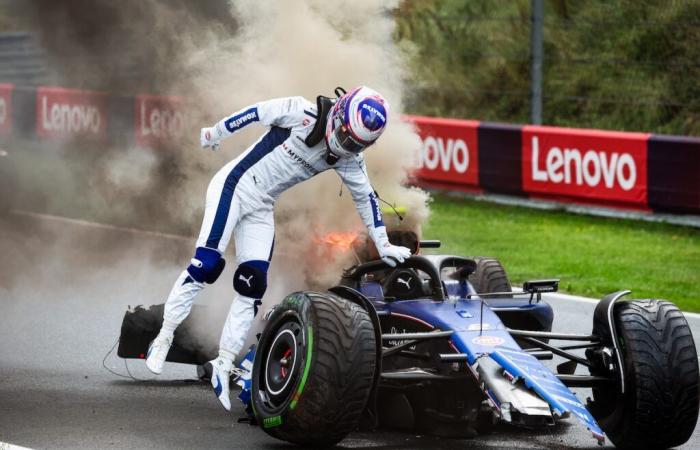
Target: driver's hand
[
  {"x": 208, "y": 138},
  {"x": 392, "y": 253}
]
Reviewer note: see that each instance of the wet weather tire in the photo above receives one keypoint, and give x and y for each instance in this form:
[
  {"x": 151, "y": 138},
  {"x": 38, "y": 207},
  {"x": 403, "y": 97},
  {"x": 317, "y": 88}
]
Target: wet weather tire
[
  {"x": 314, "y": 369},
  {"x": 659, "y": 408},
  {"x": 489, "y": 276}
]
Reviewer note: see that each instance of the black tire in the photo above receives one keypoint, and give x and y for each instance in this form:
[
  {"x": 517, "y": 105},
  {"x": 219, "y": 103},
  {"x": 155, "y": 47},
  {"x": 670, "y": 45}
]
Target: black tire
[
  {"x": 659, "y": 408},
  {"x": 314, "y": 395},
  {"x": 489, "y": 276}
]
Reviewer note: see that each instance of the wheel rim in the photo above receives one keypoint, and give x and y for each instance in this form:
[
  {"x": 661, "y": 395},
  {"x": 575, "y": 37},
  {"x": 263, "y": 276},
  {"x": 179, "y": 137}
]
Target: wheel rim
[{"x": 281, "y": 365}]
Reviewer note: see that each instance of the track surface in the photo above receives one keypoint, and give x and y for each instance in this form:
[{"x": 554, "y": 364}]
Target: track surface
[{"x": 63, "y": 291}]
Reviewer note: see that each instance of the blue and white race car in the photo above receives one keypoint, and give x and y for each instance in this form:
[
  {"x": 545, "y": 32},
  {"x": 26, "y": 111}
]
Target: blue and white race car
[{"x": 441, "y": 345}]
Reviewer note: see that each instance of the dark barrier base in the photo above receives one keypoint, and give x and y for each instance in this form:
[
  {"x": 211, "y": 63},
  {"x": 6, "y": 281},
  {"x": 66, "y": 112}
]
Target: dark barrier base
[
  {"x": 500, "y": 158},
  {"x": 674, "y": 174}
]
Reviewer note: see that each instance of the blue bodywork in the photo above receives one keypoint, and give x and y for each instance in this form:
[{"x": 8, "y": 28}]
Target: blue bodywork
[{"x": 479, "y": 332}]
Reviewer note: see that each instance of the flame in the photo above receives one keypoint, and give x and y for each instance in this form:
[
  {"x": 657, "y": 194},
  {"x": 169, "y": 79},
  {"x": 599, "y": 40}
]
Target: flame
[{"x": 339, "y": 240}]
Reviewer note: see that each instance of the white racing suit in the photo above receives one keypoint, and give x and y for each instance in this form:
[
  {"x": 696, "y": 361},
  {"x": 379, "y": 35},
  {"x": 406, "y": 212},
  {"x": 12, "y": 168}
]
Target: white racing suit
[{"x": 240, "y": 200}]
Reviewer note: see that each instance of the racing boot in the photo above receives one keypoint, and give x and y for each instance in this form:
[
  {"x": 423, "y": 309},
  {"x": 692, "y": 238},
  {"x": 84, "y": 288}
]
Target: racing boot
[
  {"x": 157, "y": 352},
  {"x": 222, "y": 367},
  {"x": 160, "y": 346}
]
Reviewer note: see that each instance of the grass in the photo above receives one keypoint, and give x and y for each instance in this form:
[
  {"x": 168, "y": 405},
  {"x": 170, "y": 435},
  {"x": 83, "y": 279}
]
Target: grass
[{"x": 592, "y": 256}]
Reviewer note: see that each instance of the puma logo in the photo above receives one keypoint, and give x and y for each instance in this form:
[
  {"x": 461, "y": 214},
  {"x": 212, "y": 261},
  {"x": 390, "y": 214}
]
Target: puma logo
[
  {"x": 247, "y": 281},
  {"x": 406, "y": 282}
]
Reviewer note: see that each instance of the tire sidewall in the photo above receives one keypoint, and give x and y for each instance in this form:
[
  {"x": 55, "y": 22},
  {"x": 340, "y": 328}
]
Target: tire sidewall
[{"x": 296, "y": 306}]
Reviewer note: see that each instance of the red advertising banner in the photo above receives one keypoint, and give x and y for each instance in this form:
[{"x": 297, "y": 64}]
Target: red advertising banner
[
  {"x": 159, "y": 119},
  {"x": 6, "y": 109},
  {"x": 596, "y": 165},
  {"x": 449, "y": 153},
  {"x": 64, "y": 113}
]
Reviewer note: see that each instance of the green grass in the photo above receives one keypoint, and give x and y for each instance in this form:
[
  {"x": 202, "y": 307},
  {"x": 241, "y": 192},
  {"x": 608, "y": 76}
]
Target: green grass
[{"x": 592, "y": 256}]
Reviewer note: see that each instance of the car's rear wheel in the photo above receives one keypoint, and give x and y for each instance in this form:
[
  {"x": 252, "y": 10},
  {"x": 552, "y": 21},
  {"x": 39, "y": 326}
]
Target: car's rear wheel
[
  {"x": 489, "y": 276},
  {"x": 659, "y": 408},
  {"x": 314, "y": 369}
]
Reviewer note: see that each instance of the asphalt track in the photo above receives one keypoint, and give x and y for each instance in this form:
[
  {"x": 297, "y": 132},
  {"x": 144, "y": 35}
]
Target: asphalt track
[{"x": 64, "y": 287}]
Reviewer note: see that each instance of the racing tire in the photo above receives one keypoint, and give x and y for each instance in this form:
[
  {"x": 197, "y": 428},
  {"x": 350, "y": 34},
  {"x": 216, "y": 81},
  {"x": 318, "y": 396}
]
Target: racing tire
[
  {"x": 489, "y": 276},
  {"x": 659, "y": 408},
  {"x": 314, "y": 369}
]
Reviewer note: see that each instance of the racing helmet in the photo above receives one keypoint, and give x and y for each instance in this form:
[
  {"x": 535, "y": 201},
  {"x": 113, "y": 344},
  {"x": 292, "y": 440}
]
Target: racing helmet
[{"x": 356, "y": 121}]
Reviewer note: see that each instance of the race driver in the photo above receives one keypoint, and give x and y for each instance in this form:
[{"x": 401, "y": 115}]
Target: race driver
[{"x": 302, "y": 140}]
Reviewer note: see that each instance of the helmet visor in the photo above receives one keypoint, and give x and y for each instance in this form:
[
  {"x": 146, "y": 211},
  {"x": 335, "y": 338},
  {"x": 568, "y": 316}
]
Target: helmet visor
[{"x": 348, "y": 143}]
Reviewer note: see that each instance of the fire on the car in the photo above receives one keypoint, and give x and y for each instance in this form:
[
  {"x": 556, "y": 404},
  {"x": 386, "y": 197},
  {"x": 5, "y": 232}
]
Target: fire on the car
[{"x": 338, "y": 240}]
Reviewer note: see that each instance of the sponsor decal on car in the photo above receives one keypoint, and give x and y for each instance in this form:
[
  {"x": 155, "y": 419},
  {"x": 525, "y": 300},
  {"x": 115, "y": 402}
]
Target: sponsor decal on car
[
  {"x": 488, "y": 341},
  {"x": 395, "y": 342}
]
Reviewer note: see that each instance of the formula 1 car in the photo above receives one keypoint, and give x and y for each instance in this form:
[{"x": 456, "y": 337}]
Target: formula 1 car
[{"x": 442, "y": 345}]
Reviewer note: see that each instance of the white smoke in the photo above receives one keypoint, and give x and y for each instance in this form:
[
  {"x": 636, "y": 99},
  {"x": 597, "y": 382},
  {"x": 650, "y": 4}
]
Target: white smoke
[
  {"x": 308, "y": 48},
  {"x": 279, "y": 48}
]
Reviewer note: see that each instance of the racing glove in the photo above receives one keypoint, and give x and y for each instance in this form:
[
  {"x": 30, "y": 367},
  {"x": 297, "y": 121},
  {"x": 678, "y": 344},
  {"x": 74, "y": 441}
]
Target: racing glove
[
  {"x": 209, "y": 137},
  {"x": 389, "y": 253}
]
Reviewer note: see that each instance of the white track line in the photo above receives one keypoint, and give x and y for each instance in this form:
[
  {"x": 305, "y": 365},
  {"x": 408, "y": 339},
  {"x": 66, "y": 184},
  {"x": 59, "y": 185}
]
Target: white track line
[
  {"x": 577, "y": 298},
  {"x": 6, "y": 446},
  {"x": 102, "y": 226}
]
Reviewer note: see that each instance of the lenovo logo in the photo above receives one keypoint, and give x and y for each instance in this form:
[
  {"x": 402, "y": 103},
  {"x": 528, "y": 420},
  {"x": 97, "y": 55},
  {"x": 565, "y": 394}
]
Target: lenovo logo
[
  {"x": 592, "y": 167},
  {"x": 69, "y": 118},
  {"x": 444, "y": 154},
  {"x": 159, "y": 119},
  {"x": 449, "y": 151},
  {"x": 69, "y": 112},
  {"x": 161, "y": 122},
  {"x": 603, "y": 166}
]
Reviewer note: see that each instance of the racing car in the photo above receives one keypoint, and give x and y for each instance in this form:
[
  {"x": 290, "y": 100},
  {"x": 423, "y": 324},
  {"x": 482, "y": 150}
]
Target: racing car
[{"x": 441, "y": 344}]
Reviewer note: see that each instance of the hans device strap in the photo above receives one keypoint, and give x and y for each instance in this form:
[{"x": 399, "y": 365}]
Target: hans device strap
[{"x": 323, "y": 105}]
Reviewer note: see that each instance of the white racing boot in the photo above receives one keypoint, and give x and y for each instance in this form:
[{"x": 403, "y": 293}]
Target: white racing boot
[
  {"x": 159, "y": 347},
  {"x": 222, "y": 367},
  {"x": 157, "y": 352}
]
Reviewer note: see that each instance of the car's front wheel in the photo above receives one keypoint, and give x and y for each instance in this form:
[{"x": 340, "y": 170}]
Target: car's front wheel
[
  {"x": 659, "y": 408},
  {"x": 314, "y": 369}
]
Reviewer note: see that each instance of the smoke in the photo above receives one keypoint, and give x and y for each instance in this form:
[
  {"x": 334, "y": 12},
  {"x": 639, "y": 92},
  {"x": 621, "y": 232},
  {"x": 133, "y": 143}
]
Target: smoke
[
  {"x": 222, "y": 57},
  {"x": 308, "y": 48}
]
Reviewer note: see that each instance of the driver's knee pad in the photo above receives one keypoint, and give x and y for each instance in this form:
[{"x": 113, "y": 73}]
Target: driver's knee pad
[
  {"x": 207, "y": 265},
  {"x": 250, "y": 278}
]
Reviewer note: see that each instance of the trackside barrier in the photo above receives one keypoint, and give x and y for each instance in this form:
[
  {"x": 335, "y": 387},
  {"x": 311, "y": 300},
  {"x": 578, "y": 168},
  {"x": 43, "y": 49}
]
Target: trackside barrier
[
  {"x": 628, "y": 170},
  {"x": 620, "y": 169},
  {"x": 6, "y": 109},
  {"x": 55, "y": 114}
]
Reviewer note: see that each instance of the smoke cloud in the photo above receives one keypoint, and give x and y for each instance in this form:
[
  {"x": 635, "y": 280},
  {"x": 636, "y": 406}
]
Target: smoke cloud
[{"x": 223, "y": 56}]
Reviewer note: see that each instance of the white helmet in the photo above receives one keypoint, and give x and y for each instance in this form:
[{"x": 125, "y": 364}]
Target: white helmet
[{"x": 356, "y": 121}]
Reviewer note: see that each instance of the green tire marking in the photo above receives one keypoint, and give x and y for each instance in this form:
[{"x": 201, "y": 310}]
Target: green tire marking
[
  {"x": 309, "y": 349},
  {"x": 274, "y": 421}
]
